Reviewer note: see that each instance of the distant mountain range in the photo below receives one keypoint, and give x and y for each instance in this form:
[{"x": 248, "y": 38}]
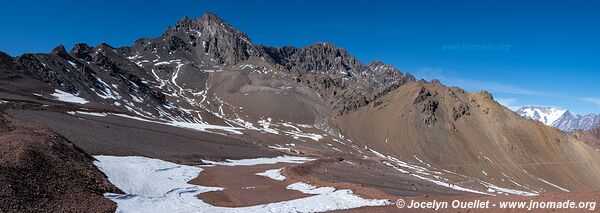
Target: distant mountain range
[{"x": 560, "y": 118}]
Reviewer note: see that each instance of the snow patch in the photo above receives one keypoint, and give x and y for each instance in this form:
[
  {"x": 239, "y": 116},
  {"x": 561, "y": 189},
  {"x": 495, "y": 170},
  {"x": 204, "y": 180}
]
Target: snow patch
[
  {"x": 72, "y": 64},
  {"x": 98, "y": 114},
  {"x": 259, "y": 161},
  {"x": 194, "y": 126},
  {"x": 68, "y": 97},
  {"x": 265, "y": 124},
  {"x": 109, "y": 93},
  {"x": 499, "y": 190},
  {"x": 205, "y": 127},
  {"x": 310, "y": 189},
  {"x": 274, "y": 174},
  {"x": 281, "y": 148},
  {"x": 153, "y": 185},
  {"x": 556, "y": 186},
  {"x": 430, "y": 174}
]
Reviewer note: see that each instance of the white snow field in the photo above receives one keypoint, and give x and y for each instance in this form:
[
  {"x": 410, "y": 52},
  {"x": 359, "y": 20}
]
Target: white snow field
[
  {"x": 546, "y": 115},
  {"x": 434, "y": 175},
  {"x": 259, "y": 161},
  {"x": 274, "y": 174},
  {"x": 68, "y": 97},
  {"x": 203, "y": 127},
  {"x": 153, "y": 185}
]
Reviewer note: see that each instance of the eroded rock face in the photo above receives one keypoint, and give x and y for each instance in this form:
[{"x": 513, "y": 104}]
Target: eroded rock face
[
  {"x": 591, "y": 137},
  {"x": 459, "y": 110},
  {"x": 41, "y": 171},
  {"x": 428, "y": 103},
  {"x": 343, "y": 81}
]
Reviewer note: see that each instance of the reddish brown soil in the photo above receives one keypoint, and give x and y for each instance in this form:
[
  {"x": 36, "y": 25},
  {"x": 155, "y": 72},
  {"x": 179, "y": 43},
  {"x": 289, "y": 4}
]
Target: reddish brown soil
[
  {"x": 368, "y": 173},
  {"x": 302, "y": 173},
  {"x": 41, "y": 171},
  {"x": 239, "y": 181},
  {"x": 591, "y": 137},
  {"x": 243, "y": 187},
  {"x": 555, "y": 197}
]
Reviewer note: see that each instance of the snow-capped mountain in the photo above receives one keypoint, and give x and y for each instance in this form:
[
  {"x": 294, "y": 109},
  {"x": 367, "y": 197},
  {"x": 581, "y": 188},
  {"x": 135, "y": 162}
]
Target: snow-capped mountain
[
  {"x": 560, "y": 118},
  {"x": 546, "y": 115},
  {"x": 569, "y": 122}
]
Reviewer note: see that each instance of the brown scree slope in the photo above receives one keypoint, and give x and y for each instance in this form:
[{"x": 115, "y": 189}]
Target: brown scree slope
[
  {"x": 471, "y": 134},
  {"x": 41, "y": 171}
]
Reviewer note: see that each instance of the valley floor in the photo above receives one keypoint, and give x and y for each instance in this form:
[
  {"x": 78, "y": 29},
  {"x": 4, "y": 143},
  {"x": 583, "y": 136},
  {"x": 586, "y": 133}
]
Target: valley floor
[
  {"x": 273, "y": 185},
  {"x": 244, "y": 188}
]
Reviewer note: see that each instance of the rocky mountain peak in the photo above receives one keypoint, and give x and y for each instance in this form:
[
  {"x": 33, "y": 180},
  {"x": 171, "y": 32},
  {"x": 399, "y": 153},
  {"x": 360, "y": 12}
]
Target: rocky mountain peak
[
  {"x": 211, "y": 17},
  {"x": 376, "y": 63},
  {"x": 186, "y": 24},
  {"x": 382, "y": 68},
  {"x": 319, "y": 57},
  {"x": 326, "y": 45},
  {"x": 546, "y": 115},
  {"x": 103, "y": 47},
  {"x": 207, "y": 25},
  {"x": 327, "y": 49},
  {"x": 559, "y": 118},
  {"x": 5, "y": 57},
  {"x": 82, "y": 51},
  {"x": 570, "y": 122},
  {"x": 59, "y": 51},
  {"x": 7, "y": 62},
  {"x": 206, "y": 36}
]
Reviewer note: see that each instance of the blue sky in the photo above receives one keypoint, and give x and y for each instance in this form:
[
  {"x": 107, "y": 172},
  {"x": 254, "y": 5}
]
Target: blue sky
[{"x": 524, "y": 52}]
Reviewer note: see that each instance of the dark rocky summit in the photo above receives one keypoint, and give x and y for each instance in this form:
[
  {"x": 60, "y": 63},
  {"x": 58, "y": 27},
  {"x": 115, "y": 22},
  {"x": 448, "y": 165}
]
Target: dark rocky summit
[{"x": 207, "y": 43}]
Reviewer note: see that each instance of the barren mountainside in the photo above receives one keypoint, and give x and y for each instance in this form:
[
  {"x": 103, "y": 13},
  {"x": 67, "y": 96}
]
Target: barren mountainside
[
  {"x": 202, "y": 90},
  {"x": 592, "y": 136},
  {"x": 471, "y": 134}
]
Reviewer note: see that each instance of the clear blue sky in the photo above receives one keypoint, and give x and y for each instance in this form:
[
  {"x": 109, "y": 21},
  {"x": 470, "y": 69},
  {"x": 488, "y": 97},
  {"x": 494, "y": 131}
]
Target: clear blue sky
[{"x": 524, "y": 52}]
